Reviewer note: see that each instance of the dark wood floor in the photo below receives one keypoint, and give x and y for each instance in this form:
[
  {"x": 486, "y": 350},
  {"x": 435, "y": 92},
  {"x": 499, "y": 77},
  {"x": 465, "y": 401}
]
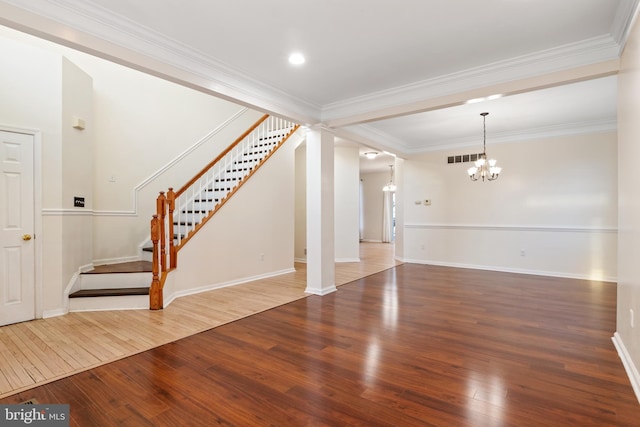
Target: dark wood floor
[{"x": 413, "y": 345}]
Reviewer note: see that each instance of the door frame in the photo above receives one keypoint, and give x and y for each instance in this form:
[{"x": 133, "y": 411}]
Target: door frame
[{"x": 37, "y": 211}]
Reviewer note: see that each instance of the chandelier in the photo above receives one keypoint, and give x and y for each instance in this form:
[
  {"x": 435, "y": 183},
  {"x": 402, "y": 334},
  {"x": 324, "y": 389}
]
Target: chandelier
[
  {"x": 484, "y": 168},
  {"x": 390, "y": 186}
]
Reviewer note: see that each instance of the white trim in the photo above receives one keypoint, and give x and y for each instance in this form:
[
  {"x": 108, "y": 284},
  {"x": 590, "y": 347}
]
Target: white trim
[
  {"x": 168, "y": 299},
  {"x": 627, "y": 362},
  {"x": 371, "y": 133},
  {"x": 108, "y": 261},
  {"x": 370, "y": 240},
  {"x": 86, "y": 267},
  {"x": 53, "y": 313},
  {"x": 551, "y": 229},
  {"x": 300, "y": 260},
  {"x": 586, "y": 52},
  {"x": 347, "y": 260},
  {"x": 67, "y": 212},
  {"x": 71, "y": 286},
  {"x": 508, "y": 270},
  {"x": 623, "y": 22},
  {"x": 321, "y": 292}
]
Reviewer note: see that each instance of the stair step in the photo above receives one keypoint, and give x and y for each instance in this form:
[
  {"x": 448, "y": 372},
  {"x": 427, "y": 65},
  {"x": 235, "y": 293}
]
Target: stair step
[
  {"x": 124, "y": 267},
  {"x": 116, "y": 292}
]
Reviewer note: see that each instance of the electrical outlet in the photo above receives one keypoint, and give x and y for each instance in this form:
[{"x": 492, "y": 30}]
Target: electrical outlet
[
  {"x": 523, "y": 252},
  {"x": 261, "y": 257},
  {"x": 427, "y": 202},
  {"x": 422, "y": 247}
]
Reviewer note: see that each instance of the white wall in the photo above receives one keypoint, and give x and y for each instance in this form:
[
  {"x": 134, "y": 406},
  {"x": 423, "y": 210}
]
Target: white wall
[
  {"x": 77, "y": 171},
  {"x": 553, "y": 211},
  {"x": 142, "y": 124},
  {"x": 627, "y": 337},
  {"x": 372, "y": 204},
  {"x": 346, "y": 204},
  {"x": 251, "y": 236},
  {"x": 41, "y": 91}
]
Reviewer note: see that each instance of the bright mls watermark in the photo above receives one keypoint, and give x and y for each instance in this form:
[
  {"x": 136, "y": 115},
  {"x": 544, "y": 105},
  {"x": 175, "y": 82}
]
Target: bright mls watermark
[{"x": 34, "y": 415}]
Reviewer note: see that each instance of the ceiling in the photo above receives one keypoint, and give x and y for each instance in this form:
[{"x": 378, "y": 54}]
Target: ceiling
[{"x": 385, "y": 75}]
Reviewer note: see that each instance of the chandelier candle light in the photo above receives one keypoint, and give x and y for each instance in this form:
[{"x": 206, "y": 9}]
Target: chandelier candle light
[{"x": 484, "y": 168}]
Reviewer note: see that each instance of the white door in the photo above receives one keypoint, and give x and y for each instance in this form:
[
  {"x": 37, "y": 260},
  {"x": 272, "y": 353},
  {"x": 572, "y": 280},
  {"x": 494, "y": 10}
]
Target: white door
[{"x": 17, "y": 269}]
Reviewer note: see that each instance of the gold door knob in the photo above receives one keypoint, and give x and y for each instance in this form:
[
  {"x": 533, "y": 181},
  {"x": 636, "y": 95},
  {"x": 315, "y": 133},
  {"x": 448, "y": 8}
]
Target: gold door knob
[{"x": 26, "y": 237}]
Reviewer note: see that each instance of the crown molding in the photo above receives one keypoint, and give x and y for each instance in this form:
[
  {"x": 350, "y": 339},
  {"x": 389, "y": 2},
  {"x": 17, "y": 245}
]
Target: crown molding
[
  {"x": 623, "y": 22},
  {"x": 84, "y": 25},
  {"x": 379, "y": 138},
  {"x": 69, "y": 22},
  {"x": 573, "y": 55}
]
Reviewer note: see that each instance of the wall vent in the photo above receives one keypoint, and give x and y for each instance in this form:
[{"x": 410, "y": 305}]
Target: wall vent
[{"x": 463, "y": 158}]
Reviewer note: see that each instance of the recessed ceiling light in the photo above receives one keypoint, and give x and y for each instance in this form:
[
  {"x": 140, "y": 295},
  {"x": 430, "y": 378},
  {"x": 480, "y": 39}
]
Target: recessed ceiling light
[
  {"x": 296, "y": 58},
  {"x": 474, "y": 100},
  {"x": 486, "y": 98}
]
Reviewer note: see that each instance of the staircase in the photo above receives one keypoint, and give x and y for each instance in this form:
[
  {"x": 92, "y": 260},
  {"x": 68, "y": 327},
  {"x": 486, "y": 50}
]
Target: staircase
[
  {"x": 113, "y": 287},
  {"x": 179, "y": 216}
]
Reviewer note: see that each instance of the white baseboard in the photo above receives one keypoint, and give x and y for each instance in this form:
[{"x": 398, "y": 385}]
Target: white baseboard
[
  {"x": 304, "y": 260},
  {"x": 53, "y": 313},
  {"x": 629, "y": 366},
  {"x": 107, "y": 261},
  {"x": 508, "y": 270},
  {"x": 347, "y": 260},
  {"x": 170, "y": 298}
]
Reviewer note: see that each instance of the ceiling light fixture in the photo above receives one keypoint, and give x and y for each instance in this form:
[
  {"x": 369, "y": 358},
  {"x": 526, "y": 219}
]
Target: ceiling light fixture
[
  {"x": 390, "y": 186},
  {"x": 484, "y": 98},
  {"x": 484, "y": 168},
  {"x": 296, "y": 58},
  {"x": 371, "y": 154}
]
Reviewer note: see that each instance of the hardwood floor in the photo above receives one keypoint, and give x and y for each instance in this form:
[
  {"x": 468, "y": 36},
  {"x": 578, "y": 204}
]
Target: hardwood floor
[
  {"x": 411, "y": 345},
  {"x": 37, "y": 352}
]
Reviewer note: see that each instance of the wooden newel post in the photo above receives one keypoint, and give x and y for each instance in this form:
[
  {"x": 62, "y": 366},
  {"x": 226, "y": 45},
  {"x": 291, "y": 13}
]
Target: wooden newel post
[
  {"x": 155, "y": 291},
  {"x": 160, "y": 210},
  {"x": 171, "y": 204}
]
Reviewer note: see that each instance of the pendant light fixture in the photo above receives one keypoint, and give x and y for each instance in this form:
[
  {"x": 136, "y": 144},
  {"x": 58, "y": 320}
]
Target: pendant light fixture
[
  {"x": 484, "y": 168},
  {"x": 390, "y": 186}
]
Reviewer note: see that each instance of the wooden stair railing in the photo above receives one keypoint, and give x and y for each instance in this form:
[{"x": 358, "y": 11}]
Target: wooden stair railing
[{"x": 200, "y": 198}]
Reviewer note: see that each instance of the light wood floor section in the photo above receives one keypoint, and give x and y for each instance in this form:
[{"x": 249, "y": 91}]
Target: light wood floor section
[{"x": 40, "y": 351}]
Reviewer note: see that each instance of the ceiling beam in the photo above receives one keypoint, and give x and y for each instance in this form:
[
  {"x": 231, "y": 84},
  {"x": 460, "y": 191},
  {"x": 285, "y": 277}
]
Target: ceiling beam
[{"x": 558, "y": 78}]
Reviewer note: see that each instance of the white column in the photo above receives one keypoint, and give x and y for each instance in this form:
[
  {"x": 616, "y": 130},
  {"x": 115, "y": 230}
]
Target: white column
[{"x": 321, "y": 278}]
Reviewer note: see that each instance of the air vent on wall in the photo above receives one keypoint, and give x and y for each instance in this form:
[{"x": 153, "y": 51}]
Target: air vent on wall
[{"x": 463, "y": 158}]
